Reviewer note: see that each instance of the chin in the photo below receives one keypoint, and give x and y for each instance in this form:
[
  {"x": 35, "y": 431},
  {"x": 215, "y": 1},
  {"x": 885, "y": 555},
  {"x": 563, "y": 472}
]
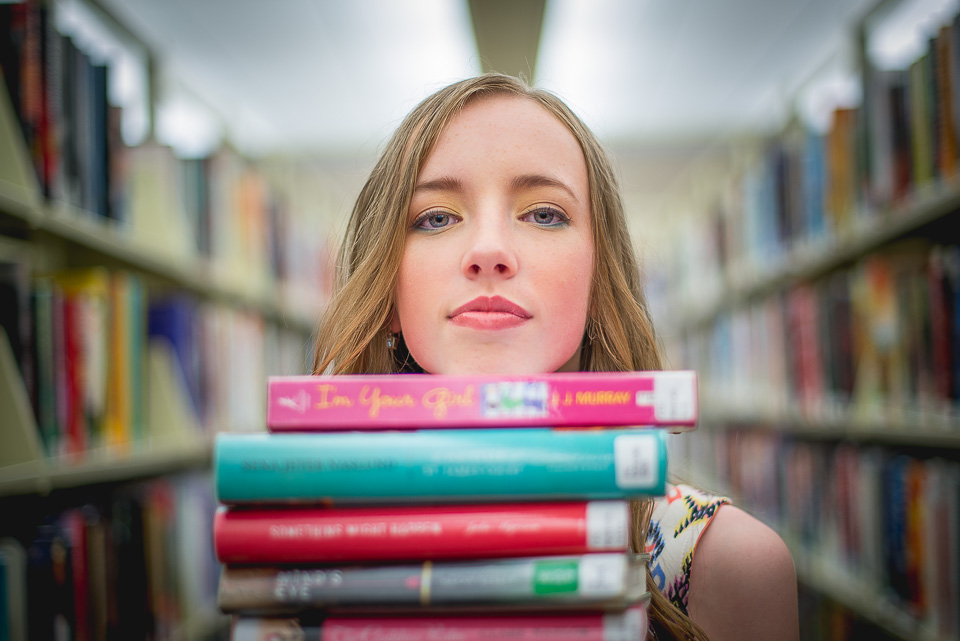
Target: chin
[
  {"x": 517, "y": 366},
  {"x": 495, "y": 359}
]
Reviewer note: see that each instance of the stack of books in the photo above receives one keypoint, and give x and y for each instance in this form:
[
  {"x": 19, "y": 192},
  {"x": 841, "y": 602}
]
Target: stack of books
[{"x": 424, "y": 507}]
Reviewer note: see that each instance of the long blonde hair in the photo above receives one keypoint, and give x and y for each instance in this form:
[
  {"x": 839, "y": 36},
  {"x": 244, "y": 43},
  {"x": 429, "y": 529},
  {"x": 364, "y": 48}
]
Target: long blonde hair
[{"x": 352, "y": 334}]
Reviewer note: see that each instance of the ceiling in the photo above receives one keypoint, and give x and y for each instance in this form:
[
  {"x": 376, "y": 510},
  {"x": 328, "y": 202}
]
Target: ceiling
[{"x": 330, "y": 77}]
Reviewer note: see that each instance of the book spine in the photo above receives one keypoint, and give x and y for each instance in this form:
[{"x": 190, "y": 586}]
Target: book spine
[
  {"x": 629, "y": 625},
  {"x": 589, "y": 581},
  {"x": 77, "y": 432},
  {"x": 46, "y": 406},
  {"x": 318, "y": 535},
  {"x": 425, "y": 401},
  {"x": 439, "y": 466}
]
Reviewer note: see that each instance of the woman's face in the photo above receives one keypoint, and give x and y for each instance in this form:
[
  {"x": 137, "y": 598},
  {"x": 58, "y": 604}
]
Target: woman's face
[{"x": 496, "y": 270}]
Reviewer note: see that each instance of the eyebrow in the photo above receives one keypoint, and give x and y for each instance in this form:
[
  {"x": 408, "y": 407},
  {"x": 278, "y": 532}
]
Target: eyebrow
[
  {"x": 444, "y": 183},
  {"x": 526, "y": 181}
]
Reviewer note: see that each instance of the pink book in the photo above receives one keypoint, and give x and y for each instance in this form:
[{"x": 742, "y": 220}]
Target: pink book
[
  {"x": 628, "y": 625},
  {"x": 420, "y": 401},
  {"x": 401, "y": 533}
]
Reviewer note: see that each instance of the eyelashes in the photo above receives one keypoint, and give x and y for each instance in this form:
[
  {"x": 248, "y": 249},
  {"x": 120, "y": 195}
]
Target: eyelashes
[
  {"x": 546, "y": 217},
  {"x": 437, "y": 219}
]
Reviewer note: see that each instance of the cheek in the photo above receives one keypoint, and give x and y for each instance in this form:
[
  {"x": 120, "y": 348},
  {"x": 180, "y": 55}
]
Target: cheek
[
  {"x": 412, "y": 290},
  {"x": 569, "y": 294},
  {"x": 419, "y": 291}
]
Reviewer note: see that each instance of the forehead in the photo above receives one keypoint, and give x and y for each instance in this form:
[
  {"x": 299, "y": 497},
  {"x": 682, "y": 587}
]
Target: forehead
[{"x": 510, "y": 129}]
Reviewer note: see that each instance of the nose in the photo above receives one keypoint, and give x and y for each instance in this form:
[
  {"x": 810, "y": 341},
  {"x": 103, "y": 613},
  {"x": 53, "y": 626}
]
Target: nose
[{"x": 490, "y": 250}]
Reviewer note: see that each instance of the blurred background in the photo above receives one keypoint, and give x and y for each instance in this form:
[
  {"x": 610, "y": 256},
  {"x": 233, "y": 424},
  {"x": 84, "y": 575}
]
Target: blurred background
[{"x": 174, "y": 178}]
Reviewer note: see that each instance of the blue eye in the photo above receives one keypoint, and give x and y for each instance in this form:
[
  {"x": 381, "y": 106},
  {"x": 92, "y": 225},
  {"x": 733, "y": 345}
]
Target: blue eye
[
  {"x": 546, "y": 217},
  {"x": 435, "y": 220}
]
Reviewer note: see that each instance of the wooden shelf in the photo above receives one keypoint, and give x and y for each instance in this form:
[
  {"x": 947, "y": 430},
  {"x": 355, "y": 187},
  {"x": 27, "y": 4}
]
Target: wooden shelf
[
  {"x": 916, "y": 429},
  {"x": 857, "y": 595},
  {"x": 175, "y": 441},
  {"x": 82, "y": 229},
  {"x": 104, "y": 466},
  {"x": 825, "y": 576},
  {"x": 808, "y": 262}
]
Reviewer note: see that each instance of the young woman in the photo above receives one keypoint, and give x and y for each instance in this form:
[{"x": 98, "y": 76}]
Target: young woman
[{"x": 490, "y": 238}]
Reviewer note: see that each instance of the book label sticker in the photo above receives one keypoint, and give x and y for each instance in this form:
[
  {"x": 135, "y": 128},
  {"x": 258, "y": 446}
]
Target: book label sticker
[
  {"x": 515, "y": 399},
  {"x": 607, "y": 525},
  {"x": 602, "y": 575},
  {"x": 635, "y": 461},
  {"x": 673, "y": 397},
  {"x": 626, "y": 626},
  {"x": 555, "y": 577}
]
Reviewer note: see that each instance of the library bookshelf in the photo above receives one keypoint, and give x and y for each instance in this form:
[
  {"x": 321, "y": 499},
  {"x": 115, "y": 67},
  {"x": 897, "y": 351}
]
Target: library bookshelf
[
  {"x": 126, "y": 345},
  {"x": 823, "y": 323}
]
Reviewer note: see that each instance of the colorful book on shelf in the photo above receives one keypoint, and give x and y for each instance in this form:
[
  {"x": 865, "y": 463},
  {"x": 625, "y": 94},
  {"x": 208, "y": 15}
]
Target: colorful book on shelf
[
  {"x": 86, "y": 325},
  {"x": 448, "y": 466},
  {"x": 48, "y": 573},
  {"x": 45, "y": 299},
  {"x": 842, "y": 169},
  {"x": 175, "y": 321},
  {"x": 602, "y": 581},
  {"x": 420, "y": 401},
  {"x": 629, "y": 625},
  {"x": 942, "y": 46},
  {"x": 921, "y": 143},
  {"x": 89, "y": 326},
  {"x": 403, "y": 533},
  {"x": 13, "y": 590}
]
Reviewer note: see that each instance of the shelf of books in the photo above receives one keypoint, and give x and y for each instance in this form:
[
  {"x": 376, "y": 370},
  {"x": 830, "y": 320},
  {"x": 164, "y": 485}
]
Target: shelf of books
[
  {"x": 135, "y": 562},
  {"x": 154, "y": 235},
  {"x": 871, "y": 528},
  {"x": 144, "y": 299},
  {"x": 817, "y": 298},
  {"x": 808, "y": 261},
  {"x": 105, "y": 242}
]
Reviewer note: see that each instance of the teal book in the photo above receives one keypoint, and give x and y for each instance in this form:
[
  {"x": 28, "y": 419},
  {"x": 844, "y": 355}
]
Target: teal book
[{"x": 440, "y": 466}]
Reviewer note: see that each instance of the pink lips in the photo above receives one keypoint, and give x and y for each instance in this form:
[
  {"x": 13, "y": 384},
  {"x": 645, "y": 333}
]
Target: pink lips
[{"x": 489, "y": 312}]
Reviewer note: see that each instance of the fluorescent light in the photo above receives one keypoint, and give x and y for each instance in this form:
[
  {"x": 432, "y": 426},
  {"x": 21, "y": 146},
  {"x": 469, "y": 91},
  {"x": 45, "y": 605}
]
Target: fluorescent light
[{"x": 183, "y": 123}]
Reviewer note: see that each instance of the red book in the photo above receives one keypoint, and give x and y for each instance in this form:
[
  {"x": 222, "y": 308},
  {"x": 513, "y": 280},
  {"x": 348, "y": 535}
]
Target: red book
[
  {"x": 73, "y": 346},
  {"x": 320, "y": 535},
  {"x": 419, "y": 401},
  {"x": 630, "y": 624},
  {"x": 75, "y": 523},
  {"x": 941, "y": 321}
]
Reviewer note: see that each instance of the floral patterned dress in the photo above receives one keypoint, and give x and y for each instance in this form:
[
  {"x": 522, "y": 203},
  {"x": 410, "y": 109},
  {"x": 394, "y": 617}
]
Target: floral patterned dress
[{"x": 679, "y": 519}]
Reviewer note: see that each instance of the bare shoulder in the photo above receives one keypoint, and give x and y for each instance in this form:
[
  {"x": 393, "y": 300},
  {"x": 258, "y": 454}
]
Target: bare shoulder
[{"x": 743, "y": 584}]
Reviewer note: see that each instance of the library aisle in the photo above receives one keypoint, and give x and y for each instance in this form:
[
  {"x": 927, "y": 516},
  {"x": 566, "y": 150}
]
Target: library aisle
[
  {"x": 809, "y": 272},
  {"x": 816, "y": 293},
  {"x": 144, "y": 299}
]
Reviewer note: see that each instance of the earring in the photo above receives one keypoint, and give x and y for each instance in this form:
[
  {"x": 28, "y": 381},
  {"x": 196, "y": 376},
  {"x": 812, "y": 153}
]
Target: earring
[{"x": 391, "y": 342}]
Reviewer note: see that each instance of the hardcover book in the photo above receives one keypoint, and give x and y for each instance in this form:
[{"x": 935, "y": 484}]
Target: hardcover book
[
  {"x": 434, "y": 466},
  {"x": 629, "y": 625},
  {"x": 589, "y": 581},
  {"x": 403, "y": 533},
  {"x": 419, "y": 401}
]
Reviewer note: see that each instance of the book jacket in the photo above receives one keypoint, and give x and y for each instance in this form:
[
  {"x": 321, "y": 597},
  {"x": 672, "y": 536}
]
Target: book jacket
[
  {"x": 605, "y": 581},
  {"x": 420, "y": 401},
  {"x": 329, "y": 535},
  {"x": 439, "y": 466},
  {"x": 629, "y": 625}
]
